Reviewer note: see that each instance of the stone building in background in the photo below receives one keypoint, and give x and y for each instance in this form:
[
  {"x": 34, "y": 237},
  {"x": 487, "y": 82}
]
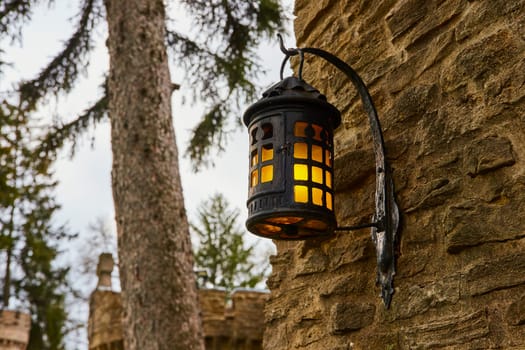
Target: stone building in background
[
  {"x": 14, "y": 330},
  {"x": 234, "y": 325},
  {"x": 448, "y": 80}
]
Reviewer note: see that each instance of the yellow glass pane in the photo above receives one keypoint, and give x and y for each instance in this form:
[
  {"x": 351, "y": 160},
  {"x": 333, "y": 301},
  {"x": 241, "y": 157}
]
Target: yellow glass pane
[
  {"x": 317, "y": 132},
  {"x": 267, "y": 153},
  {"x": 329, "y": 203},
  {"x": 317, "y": 175},
  {"x": 328, "y": 179},
  {"x": 254, "y": 178},
  {"x": 254, "y": 158},
  {"x": 317, "y": 196},
  {"x": 300, "y": 194},
  {"x": 327, "y": 158},
  {"x": 300, "y": 150},
  {"x": 300, "y": 172},
  {"x": 299, "y": 129},
  {"x": 317, "y": 153},
  {"x": 267, "y": 173}
]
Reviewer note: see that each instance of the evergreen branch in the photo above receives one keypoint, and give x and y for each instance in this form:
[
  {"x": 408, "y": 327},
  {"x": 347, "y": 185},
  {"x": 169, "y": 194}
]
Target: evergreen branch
[
  {"x": 62, "y": 72},
  {"x": 55, "y": 139}
]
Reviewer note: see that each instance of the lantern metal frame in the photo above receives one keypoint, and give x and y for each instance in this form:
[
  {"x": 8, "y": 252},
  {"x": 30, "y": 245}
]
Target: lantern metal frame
[{"x": 385, "y": 221}]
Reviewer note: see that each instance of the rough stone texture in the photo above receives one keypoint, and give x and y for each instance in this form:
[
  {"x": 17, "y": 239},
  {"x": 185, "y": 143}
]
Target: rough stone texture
[
  {"x": 448, "y": 80},
  {"x": 237, "y": 324},
  {"x": 14, "y": 330}
]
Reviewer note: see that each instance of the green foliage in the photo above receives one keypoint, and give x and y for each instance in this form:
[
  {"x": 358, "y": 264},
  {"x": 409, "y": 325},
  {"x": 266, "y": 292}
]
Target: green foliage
[
  {"x": 28, "y": 237},
  {"x": 221, "y": 250},
  {"x": 220, "y": 63}
]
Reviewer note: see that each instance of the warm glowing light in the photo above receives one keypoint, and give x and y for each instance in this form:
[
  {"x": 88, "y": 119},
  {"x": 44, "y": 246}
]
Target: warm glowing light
[
  {"x": 317, "y": 153},
  {"x": 300, "y": 172},
  {"x": 287, "y": 220},
  {"x": 316, "y": 225},
  {"x": 267, "y": 229},
  {"x": 254, "y": 178},
  {"x": 267, "y": 153},
  {"x": 301, "y": 194},
  {"x": 328, "y": 179},
  {"x": 329, "y": 203},
  {"x": 327, "y": 158},
  {"x": 300, "y": 129},
  {"x": 254, "y": 158},
  {"x": 267, "y": 173},
  {"x": 300, "y": 150},
  {"x": 317, "y": 132},
  {"x": 317, "y": 175},
  {"x": 317, "y": 196}
]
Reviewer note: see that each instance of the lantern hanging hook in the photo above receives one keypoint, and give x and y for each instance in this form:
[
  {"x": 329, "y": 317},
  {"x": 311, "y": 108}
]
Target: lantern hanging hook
[{"x": 289, "y": 53}]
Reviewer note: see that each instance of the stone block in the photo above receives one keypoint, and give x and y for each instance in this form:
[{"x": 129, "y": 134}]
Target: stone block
[
  {"x": 14, "y": 329},
  {"x": 347, "y": 317},
  {"x": 405, "y": 15},
  {"x": 448, "y": 331},
  {"x": 488, "y": 154},
  {"x": 516, "y": 312}
]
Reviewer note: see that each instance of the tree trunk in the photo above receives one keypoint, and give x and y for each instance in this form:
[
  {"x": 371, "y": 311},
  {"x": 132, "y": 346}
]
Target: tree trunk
[{"x": 156, "y": 263}]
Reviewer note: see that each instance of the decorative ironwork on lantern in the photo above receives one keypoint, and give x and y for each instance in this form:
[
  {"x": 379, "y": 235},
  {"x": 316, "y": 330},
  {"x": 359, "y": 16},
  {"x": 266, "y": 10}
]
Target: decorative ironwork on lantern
[
  {"x": 291, "y": 178},
  {"x": 291, "y": 192}
]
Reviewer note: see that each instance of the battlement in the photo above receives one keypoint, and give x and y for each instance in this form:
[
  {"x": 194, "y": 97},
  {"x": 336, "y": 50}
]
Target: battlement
[{"x": 14, "y": 330}]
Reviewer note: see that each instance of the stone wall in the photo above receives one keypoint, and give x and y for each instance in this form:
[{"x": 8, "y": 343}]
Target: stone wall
[
  {"x": 237, "y": 324},
  {"x": 448, "y": 80},
  {"x": 14, "y": 330}
]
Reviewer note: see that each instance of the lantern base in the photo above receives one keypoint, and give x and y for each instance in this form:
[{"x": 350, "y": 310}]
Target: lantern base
[{"x": 292, "y": 224}]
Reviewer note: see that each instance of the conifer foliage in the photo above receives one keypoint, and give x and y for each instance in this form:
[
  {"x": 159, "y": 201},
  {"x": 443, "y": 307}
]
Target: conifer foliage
[
  {"x": 221, "y": 251},
  {"x": 28, "y": 237}
]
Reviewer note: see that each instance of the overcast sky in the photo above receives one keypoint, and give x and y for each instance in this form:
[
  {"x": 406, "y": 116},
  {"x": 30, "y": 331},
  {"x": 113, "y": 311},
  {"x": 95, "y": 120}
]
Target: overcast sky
[{"x": 84, "y": 189}]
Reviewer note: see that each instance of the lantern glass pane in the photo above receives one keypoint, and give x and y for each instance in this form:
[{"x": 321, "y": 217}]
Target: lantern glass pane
[
  {"x": 254, "y": 178},
  {"x": 300, "y": 129},
  {"x": 267, "y": 173},
  {"x": 328, "y": 179},
  {"x": 254, "y": 159},
  {"x": 317, "y": 196},
  {"x": 266, "y": 229},
  {"x": 301, "y": 194},
  {"x": 327, "y": 158},
  {"x": 267, "y": 131},
  {"x": 300, "y": 150},
  {"x": 253, "y": 133},
  {"x": 300, "y": 172},
  {"x": 317, "y": 175},
  {"x": 316, "y": 225},
  {"x": 267, "y": 153},
  {"x": 317, "y": 153},
  {"x": 329, "y": 203},
  {"x": 286, "y": 220},
  {"x": 317, "y": 132}
]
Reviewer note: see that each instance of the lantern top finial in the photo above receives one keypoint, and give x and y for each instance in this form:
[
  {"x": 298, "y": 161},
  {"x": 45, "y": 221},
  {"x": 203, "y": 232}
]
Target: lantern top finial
[{"x": 293, "y": 86}]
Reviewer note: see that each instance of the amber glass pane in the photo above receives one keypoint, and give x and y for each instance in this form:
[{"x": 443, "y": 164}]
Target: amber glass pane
[
  {"x": 300, "y": 194},
  {"x": 267, "y": 153},
  {"x": 328, "y": 179},
  {"x": 317, "y": 132},
  {"x": 329, "y": 203},
  {"x": 254, "y": 159},
  {"x": 327, "y": 158},
  {"x": 317, "y": 175},
  {"x": 300, "y": 150},
  {"x": 254, "y": 178},
  {"x": 299, "y": 129},
  {"x": 285, "y": 220},
  {"x": 300, "y": 172},
  {"x": 317, "y": 196},
  {"x": 316, "y": 224},
  {"x": 266, "y": 229},
  {"x": 267, "y": 173},
  {"x": 317, "y": 153}
]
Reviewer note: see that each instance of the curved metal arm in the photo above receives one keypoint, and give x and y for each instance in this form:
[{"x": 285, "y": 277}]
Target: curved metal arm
[{"x": 386, "y": 217}]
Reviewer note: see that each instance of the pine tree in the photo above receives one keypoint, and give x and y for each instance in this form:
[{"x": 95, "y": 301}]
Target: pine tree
[
  {"x": 28, "y": 238},
  {"x": 156, "y": 263},
  {"x": 221, "y": 251}
]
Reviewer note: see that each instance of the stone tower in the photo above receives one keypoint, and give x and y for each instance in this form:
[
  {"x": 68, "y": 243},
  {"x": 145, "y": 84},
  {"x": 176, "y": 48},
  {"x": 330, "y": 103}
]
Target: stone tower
[
  {"x": 14, "y": 330},
  {"x": 448, "y": 80}
]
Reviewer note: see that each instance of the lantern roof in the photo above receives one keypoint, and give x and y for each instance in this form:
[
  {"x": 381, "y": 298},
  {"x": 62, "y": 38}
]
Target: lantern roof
[{"x": 292, "y": 90}]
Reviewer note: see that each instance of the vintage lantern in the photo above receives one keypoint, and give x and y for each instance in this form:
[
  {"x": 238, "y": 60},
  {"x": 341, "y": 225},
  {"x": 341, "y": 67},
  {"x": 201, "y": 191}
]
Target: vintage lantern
[
  {"x": 291, "y": 176},
  {"x": 291, "y": 192}
]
